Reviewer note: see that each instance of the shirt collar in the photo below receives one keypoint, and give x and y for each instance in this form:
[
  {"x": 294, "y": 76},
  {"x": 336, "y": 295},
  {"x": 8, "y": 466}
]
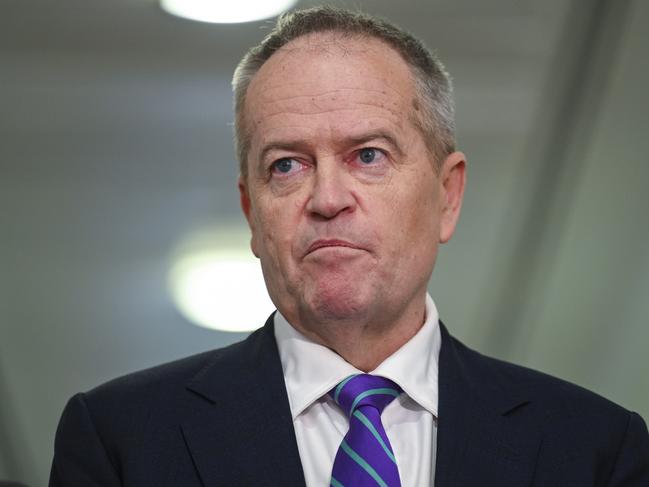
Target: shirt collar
[{"x": 311, "y": 370}]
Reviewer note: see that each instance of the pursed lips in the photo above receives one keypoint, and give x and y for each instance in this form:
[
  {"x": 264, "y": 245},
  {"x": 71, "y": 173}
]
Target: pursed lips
[{"x": 319, "y": 244}]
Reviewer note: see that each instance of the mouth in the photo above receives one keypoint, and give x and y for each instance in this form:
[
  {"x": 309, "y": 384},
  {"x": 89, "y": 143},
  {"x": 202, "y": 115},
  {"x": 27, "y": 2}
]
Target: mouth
[{"x": 320, "y": 244}]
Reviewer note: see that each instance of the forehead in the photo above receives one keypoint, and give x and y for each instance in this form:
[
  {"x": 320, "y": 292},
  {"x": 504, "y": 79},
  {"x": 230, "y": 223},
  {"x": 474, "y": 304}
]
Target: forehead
[{"x": 337, "y": 80}]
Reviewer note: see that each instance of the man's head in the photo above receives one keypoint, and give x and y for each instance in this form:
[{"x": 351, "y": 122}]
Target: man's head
[
  {"x": 433, "y": 108},
  {"x": 345, "y": 200}
]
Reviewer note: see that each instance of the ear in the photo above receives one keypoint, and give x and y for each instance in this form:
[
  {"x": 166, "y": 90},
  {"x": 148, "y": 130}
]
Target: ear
[
  {"x": 453, "y": 178},
  {"x": 246, "y": 207}
]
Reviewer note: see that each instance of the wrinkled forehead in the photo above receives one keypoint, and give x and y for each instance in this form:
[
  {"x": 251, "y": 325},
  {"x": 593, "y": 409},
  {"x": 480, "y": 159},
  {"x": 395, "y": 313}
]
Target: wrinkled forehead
[{"x": 323, "y": 72}]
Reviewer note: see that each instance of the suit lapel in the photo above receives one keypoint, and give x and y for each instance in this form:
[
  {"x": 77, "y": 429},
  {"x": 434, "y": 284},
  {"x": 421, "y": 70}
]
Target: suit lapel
[
  {"x": 484, "y": 435},
  {"x": 241, "y": 432}
]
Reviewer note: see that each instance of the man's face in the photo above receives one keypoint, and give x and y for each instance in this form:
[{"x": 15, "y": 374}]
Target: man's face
[{"x": 345, "y": 207}]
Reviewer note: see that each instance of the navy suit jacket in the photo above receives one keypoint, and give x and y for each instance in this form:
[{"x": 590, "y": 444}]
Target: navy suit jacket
[{"x": 222, "y": 418}]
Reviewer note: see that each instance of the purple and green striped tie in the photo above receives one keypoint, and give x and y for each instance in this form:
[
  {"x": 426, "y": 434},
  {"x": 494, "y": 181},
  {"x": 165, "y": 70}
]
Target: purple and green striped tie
[{"x": 365, "y": 457}]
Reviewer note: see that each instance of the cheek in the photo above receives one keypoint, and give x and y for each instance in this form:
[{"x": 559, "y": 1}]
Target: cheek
[
  {"x": 259, "y": 239},
  {"x": 272, "y": 237},
  {"x": 418, "y": 217}
]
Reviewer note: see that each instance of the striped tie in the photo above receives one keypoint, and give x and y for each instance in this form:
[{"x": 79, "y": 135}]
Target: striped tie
[{"x": 365, "y": 457}]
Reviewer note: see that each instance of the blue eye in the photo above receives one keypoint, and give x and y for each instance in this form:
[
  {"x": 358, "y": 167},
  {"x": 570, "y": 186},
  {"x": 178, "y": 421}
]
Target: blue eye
[
  {"x": 284, "y": 165},
  {"x": 367, "y": 155}
]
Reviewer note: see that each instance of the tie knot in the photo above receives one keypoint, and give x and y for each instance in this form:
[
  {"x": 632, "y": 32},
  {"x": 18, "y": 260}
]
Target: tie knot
[{"x": 364, "y": 390}]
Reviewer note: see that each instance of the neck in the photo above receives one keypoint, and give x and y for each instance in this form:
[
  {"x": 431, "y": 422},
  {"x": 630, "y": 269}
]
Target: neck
[{"x": 364, "y": 343}]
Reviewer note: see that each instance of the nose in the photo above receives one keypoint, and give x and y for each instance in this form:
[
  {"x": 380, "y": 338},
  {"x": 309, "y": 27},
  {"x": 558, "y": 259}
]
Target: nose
[{"x": 331, "y": 194}]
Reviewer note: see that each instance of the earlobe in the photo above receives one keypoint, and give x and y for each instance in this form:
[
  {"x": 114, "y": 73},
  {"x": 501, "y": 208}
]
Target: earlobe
[{"x": 453, "y": 175}]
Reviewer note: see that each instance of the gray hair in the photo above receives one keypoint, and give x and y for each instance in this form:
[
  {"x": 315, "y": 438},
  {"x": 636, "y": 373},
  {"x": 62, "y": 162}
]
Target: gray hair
[{"x": 433, "y": 83}]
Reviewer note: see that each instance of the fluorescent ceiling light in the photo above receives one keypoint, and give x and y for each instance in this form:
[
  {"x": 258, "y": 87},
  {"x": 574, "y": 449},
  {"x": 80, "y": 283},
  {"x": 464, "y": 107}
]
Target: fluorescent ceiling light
[
  {"x": 218, "y": 284},
  {"x": 226, "y": 12}
]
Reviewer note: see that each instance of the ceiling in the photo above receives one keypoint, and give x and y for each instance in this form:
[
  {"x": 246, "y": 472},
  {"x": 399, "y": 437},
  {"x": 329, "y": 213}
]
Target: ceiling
[{"x": 116, "y": 143}]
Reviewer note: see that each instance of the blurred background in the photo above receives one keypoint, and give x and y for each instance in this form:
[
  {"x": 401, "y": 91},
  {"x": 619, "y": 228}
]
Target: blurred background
[{"x": 116, "y": 150}]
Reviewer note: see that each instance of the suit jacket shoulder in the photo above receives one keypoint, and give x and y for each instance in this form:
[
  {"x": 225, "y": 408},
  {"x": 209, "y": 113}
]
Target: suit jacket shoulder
[
  {"x": 217, "y": 418},
  {"x": 517, "y": 426},
  {"x": 555, "y": 394}
]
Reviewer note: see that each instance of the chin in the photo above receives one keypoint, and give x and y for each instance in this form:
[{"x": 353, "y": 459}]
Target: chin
[{"x": 335, "y": 301}]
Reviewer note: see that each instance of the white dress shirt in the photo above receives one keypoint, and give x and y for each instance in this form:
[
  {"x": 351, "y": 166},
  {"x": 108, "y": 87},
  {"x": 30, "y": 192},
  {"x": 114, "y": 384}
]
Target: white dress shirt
[{"x": 410, "y": 421}]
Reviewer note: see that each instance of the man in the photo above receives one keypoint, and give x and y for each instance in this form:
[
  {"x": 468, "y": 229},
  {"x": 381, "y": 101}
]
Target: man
[{"x": 349, "y": 180}]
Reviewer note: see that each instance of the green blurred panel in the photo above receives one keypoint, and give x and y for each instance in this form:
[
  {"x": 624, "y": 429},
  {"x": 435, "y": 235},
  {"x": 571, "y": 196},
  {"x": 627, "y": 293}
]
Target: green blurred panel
[{"x": 589, "y": 319}]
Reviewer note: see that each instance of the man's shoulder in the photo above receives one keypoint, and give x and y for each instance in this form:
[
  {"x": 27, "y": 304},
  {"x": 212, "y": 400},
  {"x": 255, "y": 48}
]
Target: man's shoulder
[
  {"x": 549, "y": 395},
  {"x": 165, "y": 383},
  {"x": 139, "y": 418},
  {"x": 577, "y": 433},
  {"x": 163, "y": 377}
]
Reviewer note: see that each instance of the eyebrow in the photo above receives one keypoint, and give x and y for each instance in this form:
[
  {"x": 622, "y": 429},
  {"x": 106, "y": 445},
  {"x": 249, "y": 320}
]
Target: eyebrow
[
  {"x": 285, "y": 145},
  {"x": 375, "y": 135},
  {"x": 350, "y": 140}
]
